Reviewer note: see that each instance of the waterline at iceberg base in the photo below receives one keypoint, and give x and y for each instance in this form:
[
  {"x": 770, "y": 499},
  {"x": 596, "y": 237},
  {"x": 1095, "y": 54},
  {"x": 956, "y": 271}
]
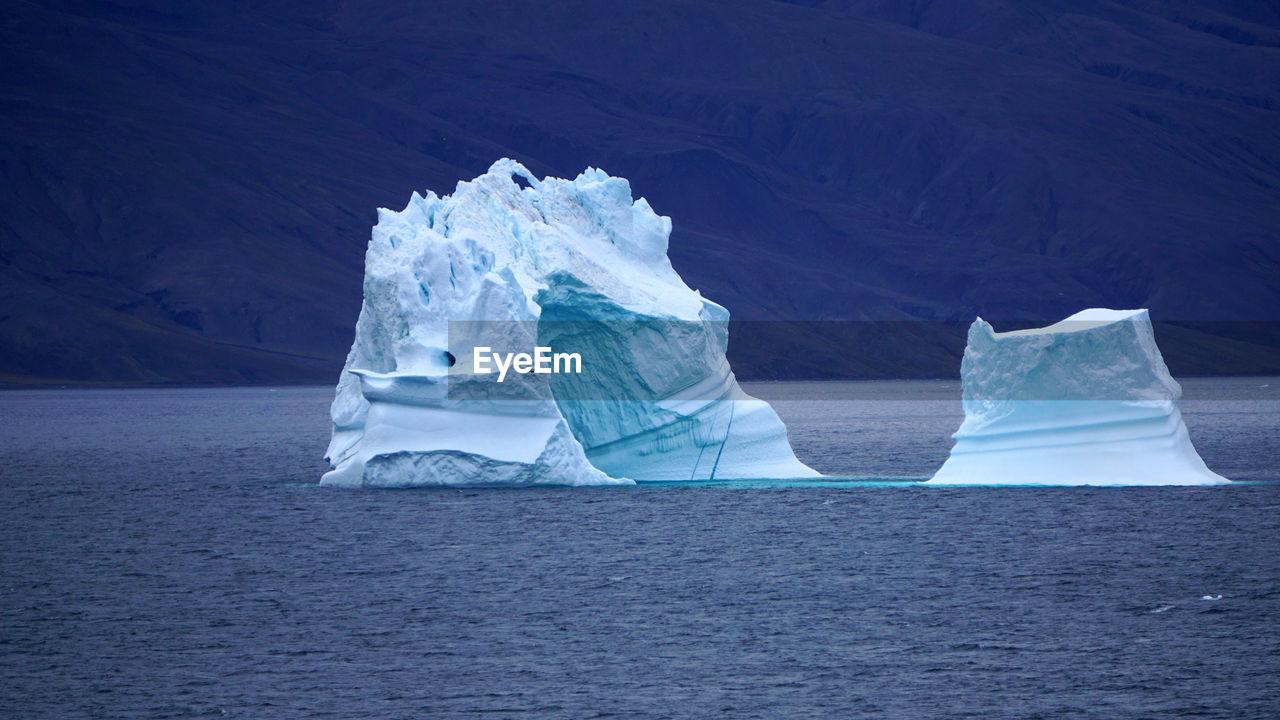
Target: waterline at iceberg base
[
  {"x": 1086, "y": 401},
  {"x": 509, "y": 262}
]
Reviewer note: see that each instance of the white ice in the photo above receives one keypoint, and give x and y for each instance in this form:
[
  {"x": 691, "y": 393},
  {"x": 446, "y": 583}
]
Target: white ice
[
  {"x": 1086, "y": 401},
  {"x": 574, "y": 264}
]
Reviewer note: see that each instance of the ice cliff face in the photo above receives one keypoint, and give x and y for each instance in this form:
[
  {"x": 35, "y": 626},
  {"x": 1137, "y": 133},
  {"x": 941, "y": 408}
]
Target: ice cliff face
[
  {"x": 1086, "y": 401},
  {"x": 511, "y": 262}
]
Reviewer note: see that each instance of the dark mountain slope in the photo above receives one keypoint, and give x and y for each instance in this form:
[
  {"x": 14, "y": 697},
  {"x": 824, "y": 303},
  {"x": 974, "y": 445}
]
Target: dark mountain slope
[{"x": 187, "y": 192}]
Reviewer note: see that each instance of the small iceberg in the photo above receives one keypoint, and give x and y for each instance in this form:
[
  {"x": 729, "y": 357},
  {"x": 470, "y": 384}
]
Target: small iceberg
[{"x": 1085, "y": 401}]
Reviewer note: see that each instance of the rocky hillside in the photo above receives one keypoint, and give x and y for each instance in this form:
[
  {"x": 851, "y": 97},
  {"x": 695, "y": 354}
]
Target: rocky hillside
[{"x": 188, "y": 188}]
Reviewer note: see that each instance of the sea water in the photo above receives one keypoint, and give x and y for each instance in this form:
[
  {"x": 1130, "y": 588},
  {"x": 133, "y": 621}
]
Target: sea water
[{"x": 166, "y": 553}]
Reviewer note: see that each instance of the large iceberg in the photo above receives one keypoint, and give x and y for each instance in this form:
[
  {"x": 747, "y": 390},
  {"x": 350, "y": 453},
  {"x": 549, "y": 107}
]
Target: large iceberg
[
  {"x": 505, "y": 265},
  {"x": 1086, "y": 401}
]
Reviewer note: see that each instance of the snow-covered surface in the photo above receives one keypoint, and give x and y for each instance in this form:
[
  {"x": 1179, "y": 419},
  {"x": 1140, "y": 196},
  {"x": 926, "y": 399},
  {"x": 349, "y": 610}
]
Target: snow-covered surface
[
  {"x": 570, "y": 264},
  {"x": 1083, "y": 320},
  {"x": 1086, "y": 401}
]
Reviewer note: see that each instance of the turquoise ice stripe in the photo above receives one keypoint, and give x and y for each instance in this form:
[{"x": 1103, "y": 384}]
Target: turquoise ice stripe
[
  {"x": 832, "y": 482},
  {"x": 829, "y": 482}
]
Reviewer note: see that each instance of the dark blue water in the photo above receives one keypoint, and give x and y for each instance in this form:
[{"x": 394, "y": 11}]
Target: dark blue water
[{"x": 166, "y": 554}]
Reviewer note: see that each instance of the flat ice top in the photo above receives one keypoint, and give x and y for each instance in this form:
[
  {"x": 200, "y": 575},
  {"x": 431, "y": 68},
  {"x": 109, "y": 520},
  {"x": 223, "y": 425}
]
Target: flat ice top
[{"x": 1083, "y": 320}]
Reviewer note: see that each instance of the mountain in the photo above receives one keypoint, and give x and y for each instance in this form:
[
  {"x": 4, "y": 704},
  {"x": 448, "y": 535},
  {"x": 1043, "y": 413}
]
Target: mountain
[{"x": 188, "y": 188}]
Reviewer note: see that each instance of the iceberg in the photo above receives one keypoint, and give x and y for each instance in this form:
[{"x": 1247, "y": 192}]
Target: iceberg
[
  {"x": 511, "y": 265},
  {"x": 1085, "y": 401}
]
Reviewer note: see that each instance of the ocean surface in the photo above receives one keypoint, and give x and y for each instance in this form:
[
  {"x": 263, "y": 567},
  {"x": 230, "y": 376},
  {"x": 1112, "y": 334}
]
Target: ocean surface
[{"x": 167, "y": 554}]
